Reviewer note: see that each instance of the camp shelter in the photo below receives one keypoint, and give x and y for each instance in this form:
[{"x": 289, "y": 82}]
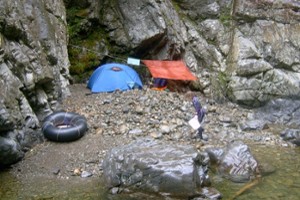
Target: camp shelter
[
  {"x": 173, "y": 75},
  {"x": 114, "y": 76},
  {"x": 173, "y": 70}
]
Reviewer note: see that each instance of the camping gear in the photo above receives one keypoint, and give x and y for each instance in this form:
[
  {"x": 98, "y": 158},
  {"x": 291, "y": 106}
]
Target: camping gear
[
  {"x": 175, "y": 70},
  {"x": 159, "y": 84},
  {"x": 64, "y": 126},
  {"x": 114, "y": 76}
]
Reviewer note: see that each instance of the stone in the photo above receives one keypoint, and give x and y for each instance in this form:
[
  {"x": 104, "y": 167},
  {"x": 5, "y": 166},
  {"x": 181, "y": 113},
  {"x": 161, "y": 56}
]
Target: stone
[
  {"x": 235, "y": 162},
  {"x": 149, "y": 165},
  {"x": 85, "y": 174},
  {"x": 249, "y": 67},
  {"x": 165, "y": 129},
  {"x": 253, "y": 125},
  {"x": 156, "y": 135},
  {"x": 136, "y": 131},
  {"x": 292, "y": 135},
  {"x": 55, "y": 171},
  {"x": 280, "y": 111},
  {"x": 10, "y": 151}
]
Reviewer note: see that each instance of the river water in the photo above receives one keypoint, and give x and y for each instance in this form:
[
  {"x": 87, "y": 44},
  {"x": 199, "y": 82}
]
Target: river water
[{"x": 284, "y": 183}]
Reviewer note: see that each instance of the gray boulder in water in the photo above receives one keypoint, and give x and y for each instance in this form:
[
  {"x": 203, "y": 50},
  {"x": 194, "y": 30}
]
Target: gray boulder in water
[
  {"x": 151, "y": 166},
  {"x": 292, "y": 135},
  {"x": 235, "y": 162}
]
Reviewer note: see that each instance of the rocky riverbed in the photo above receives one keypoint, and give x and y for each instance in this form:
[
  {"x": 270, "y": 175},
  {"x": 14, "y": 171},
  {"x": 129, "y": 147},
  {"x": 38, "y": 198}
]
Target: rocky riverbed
[{"x": 119, "y": 118}]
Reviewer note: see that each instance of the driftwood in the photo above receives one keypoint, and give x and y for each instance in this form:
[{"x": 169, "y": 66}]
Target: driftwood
[{"x": 246, "y": 188}]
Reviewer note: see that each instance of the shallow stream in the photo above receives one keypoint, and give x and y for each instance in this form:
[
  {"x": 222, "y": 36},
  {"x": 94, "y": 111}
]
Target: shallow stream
[{"x": 284, "y": 183}]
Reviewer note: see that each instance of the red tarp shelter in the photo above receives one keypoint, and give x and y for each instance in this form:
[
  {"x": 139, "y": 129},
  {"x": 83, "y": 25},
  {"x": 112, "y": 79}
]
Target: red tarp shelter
[{"x": 175, "y": 70}]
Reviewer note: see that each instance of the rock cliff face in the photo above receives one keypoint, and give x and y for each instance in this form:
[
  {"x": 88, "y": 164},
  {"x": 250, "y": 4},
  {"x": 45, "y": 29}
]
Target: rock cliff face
[
  {"x": 265, "y": 52},
  {"x": 33, "y": 70},
  {"x": 242, "y": 49}
]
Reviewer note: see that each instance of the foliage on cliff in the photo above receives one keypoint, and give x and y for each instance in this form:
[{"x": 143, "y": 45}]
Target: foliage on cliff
[{"x": 82, "y": 40}]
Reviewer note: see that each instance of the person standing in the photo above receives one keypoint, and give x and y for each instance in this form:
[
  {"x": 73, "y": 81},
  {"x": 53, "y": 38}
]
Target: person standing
[{"x": 200, "y": 115}]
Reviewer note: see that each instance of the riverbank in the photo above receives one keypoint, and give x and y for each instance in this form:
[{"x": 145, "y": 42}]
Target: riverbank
[{"x": 118, "y": 118}]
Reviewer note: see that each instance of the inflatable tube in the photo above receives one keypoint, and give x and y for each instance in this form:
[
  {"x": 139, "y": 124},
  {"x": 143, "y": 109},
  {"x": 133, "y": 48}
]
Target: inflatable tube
[{"x": 64, "y": 126}]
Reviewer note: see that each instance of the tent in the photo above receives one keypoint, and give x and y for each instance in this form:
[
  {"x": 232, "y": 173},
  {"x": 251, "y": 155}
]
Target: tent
[
  {"x": 114, "y": 76},
  {"x": 175, "y": 70}
]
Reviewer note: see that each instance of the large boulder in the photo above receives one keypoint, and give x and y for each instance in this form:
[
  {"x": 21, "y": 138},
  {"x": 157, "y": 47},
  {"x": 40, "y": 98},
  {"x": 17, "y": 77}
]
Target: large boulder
[
  {"x": 280, "y": 112},
  {"x": 151, "y": 166},
  {"x": 235, "y": 162},
  {"x": 10, "y": 151}
]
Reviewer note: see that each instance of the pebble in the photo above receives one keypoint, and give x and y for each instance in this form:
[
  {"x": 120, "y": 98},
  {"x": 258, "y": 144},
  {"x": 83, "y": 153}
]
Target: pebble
[
  {"x": 165, "y": 129},
  {"x": 135, "y": 132},
  {"x": 56, "y": 171},
  {"x": 77, "y": 172},
  {"x": 165, "y": 116},
  {"x": 156, "y": 135},
  {"x": 85, "y": 174},
  {"x": 114, "y": 190}
]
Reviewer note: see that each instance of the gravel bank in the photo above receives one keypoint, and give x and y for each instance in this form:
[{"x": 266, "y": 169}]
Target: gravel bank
[{"x": 118, "y": 118}]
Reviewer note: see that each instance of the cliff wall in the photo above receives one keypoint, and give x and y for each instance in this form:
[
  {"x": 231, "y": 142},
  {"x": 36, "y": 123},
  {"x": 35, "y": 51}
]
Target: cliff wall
[{"x": 34, "y": 70}]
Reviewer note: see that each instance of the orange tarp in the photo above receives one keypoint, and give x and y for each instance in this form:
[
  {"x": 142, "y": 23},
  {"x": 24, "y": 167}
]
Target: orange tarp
[{"x": 175, "y": 70}]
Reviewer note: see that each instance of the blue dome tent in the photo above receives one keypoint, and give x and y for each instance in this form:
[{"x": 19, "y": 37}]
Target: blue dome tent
[{"x": 114, "y": 76}]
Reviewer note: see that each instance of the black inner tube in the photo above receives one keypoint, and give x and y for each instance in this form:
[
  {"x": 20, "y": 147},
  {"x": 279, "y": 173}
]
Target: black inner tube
[{"x": 64, "y": 126}]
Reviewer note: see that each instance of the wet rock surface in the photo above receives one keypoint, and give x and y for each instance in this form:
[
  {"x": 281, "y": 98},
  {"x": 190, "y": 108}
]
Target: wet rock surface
[
  {"x": 282, "y": 112},
  {"x": 152, "y": 166},
  {"x": 235, "y": 162}
]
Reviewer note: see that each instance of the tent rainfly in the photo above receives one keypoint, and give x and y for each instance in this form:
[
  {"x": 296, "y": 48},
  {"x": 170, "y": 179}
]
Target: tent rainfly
[
  {"x": 114, "y": 76},
  {"x": 175, "y": 70}
]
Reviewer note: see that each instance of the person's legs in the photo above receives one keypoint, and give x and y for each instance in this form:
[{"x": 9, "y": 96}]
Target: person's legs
[{"x": 200, "y": 131}]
